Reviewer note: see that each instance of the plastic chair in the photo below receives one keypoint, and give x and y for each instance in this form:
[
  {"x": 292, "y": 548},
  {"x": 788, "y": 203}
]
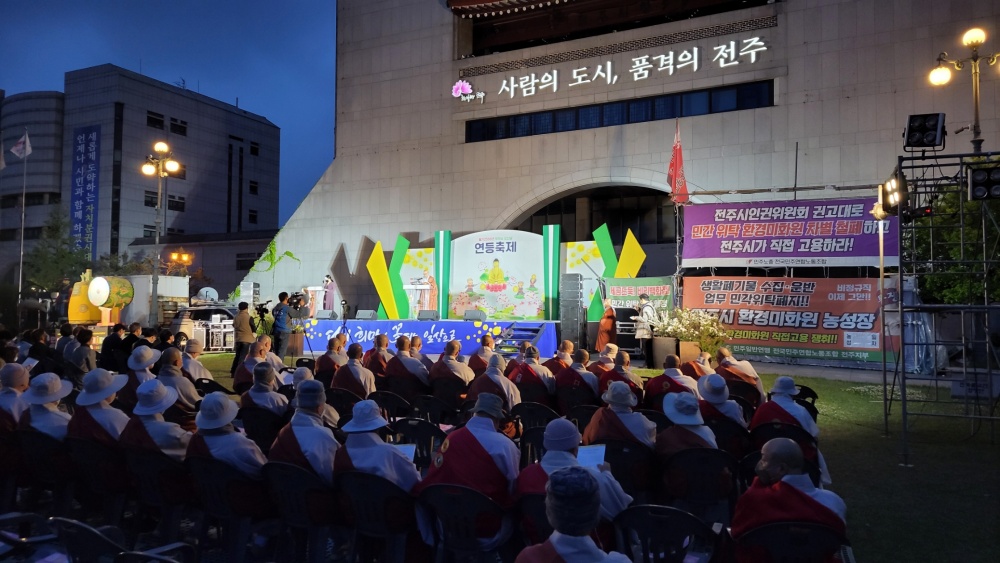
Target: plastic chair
[
  {"x": 533, "y": 414},
  {"x": 48, "y": 466},
  {"x": 288, "y": 390},
  {"x": 393, "y": 406},
  {"x": 581, "y": 415},
  {"x": 261, "y": 425},
  {"x": 631, "y": 464},
  {"x": 535, "y": 393},
  {"x": 535, "y": 526},
  {"x": 797, "y": 542},
  {"x": 661, "y": 420},
  {"x": 653, "y": 533},
  {"x": 378, "y": 510},
  {"x": 569, "y": 397},
  {"x": 810, "y": 408},
  {"x": 306, "y": 363},
  {"x": 163, "y": 484},
  {"x": 210, "y": 385},
  {"x": 744, "y": 390},
  {"x": 532, "y": 448},
  {"x": 241, "y": 388},
  {"x": 748, "y": 469},
  {"x": 433, "y": 410},
  {"x": 450, "y": 390},
  {"x": 11, "y": 469},
  {"x": 464, "y": 515},
  {"x": 807, "y": 394},
  {"x": 427, "y": 436},
  {"x": 344, "y": 401},
  {"x": 730, "y": 436},
  {"x": 84, "y": 543},
  {"x": 747, "y": 407},
  {"x": 703, "y": 481},
  {"x": 23, "y": 534},
  {"x": 102, "y": 469},
  {"x": 306, "y": 503},
  {"x": 405, "y": 387}
]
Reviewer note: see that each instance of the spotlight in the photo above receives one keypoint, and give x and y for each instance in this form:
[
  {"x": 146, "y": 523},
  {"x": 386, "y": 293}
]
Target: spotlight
[
  {"x": 892, "y": 196},
  {"x": 984, "y": 182},
  {"x": 924, "y": 132}
]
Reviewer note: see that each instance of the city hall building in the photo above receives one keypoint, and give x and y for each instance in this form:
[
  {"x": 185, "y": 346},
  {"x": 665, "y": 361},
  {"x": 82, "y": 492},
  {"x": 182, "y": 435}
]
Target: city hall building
[{"x": 477, "y": 115}]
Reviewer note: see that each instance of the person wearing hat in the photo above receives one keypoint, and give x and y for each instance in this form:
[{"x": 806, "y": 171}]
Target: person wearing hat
[
  {"x": 406, "y": 376},
  {"x": 688, "y": 429},
  {"x": 305, "y": 441},
  {"x": 262, "y": 394},
  {"x": 534, "y": 380},
  {"x": 366, "y": 451},
  {"x": 43, "y": 395},
  {"x": 577, "y": 376},
  {"x": 217, "y": 438},
  {"x": 737, "y": 370},
  {"x": 605, "y": 360},
  {"x": 96, "y": 419},
  {"x": 783, "y": 492},
  {"x": 493, "y": 382},
  {"x": 193, "y": 367},
  {"x": 562, "y": 359},
  {"x": 573, "y": 505},
  {"x": 622, "y": 372},
  {"x": 645, "y": 322},
  {"x": 698, "y": 367},
  {"x": 244, "y": 373},
  {"x": 783, "y": 408},
  {"x": 715, "y": 403},
  {"x": 670, "y": 381},
  {"x": 148, "y": 430},
  {"x": 171, "y": 375},
  {"x": 617, "y": 421},
  {"x": 330, "y": 416},
  {"x": 14, "y": 382},
  {"x": 139, "y": 363},
  {"x": 333, "y": 359},
  {"x": 479, "y": 360},
  {"x": 353, "y": 376},
  {"x": 562, "y": 442}
]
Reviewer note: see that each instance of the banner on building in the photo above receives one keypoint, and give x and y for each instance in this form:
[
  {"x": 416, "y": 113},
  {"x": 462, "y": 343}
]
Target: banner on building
[
  {"x": 85, "y": 188},
  {"x": 815, "y": 318},
  {"x": 815, "y": 233}
]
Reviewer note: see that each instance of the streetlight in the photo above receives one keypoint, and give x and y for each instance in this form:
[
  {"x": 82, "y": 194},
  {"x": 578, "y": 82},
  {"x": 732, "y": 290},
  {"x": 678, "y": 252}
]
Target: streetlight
[
  {"x": 160, "y": 164},
  {"x": 973, "y": 39}
]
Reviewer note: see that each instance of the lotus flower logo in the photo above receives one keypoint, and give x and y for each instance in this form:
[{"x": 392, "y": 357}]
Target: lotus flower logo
[{"x": 461, "y": 87}]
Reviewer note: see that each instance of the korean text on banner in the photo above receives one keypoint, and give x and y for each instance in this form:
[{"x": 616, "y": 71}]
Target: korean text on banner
[{"x": 85, "y": 187}]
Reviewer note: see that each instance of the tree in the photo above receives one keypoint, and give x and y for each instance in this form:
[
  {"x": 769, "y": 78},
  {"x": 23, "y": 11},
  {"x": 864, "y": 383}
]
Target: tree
[
  {"x": 55, "y": 255},
  {"x": 123, "y": 264}
]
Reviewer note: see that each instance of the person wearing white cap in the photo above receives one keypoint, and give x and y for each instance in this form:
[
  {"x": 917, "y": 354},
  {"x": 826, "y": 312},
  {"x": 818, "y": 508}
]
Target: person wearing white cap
[
  {"x": 305, "y": 441},
  {"x": 783, "y": 408},
  {"x": 573, "y": 507},
  {"x": 172, "y": 376},
  {"x": 738, "y": 370},
  {"x": 262, "y": 394},
  {"x": 715, "y": 403},
  {"x": 605, "y": 360},
  {"x": 562, "y": 442},
  {"x": 353, "y": 376},
  {"x": 617, "y": 421},
  {"x": 405, "y": 375},
  {"x": 493, "y": 382},
  {"x": 14, "y": 380},
  {"x": 621, "y": 372},
  {"x": 142, "y": 358},
  {"x": 217, "y": 437},
  {"x": 193, "y": 349},
  {"x": 688, "y": 429},
  {"x": 364, "y": 450},
  {"x": 96, "y": 419},
  {"x": 43, "y": 394},
  {"x": 330, "y": 416},
  {"x": 448, "y": 367},
  {"x": 148, "y": 430},
  {"x": 670, "y": 381},
  {"x": 577, "y": 375}
]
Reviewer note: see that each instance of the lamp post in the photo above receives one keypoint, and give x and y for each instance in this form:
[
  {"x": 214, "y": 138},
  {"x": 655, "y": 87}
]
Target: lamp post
[
  {"x": 973, "y": 39},
  {"x": 159, "y": 164}
]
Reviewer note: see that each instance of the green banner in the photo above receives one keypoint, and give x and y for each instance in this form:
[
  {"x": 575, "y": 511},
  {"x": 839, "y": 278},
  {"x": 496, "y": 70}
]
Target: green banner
[{"x": 625, "y": 292}]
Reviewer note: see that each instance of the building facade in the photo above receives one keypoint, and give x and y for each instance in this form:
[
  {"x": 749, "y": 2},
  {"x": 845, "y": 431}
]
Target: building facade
[{"x": 90, "y": 142}]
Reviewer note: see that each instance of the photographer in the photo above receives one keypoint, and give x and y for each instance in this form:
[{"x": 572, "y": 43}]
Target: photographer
[
  {"x": 282, "y": 325},
  {"x": 243, "y": 331}
]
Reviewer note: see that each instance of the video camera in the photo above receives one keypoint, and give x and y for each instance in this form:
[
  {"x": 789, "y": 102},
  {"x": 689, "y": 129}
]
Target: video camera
[
  {"x": 262, "y": 309},
  {"x": 297, "y": 300}
]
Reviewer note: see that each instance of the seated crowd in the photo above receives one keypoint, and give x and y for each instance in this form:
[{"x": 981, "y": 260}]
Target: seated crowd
[{"x": 153, "y": 404}]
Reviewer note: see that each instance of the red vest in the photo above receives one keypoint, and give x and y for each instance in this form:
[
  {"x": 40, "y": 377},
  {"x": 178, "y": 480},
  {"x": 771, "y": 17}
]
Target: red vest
[
  {"x": 402, "y": 381},
  {"x": 242, "y": 376},
  {"x": 478, "y": 364},
  {"x": 462, "y": 460},
  {"x": 135, "y": 435},
  {"x": 568, "y": 377},
  {"x": 83, "y": 425},
  {"x": 605, "y": 425},
  {"x": 246, "y": 498},
  {"x": 674, "y": 439},
  {"x": 597, "y": 368},
  {"x": 342, "y": 460},
  {"x": 126, "y": 396},
  {"x": 540, "y": 553},
  {"x": 375, "y": 362},
  {"x": 526, "y": 379},
  {"x": 286, "y": 449},
  {"x": 555, "y": 364},
  {"x": 659, "y": 386},
  {"x": 772, "y": 412},
  {"x": 693, "y": 369},
  {"x": 709, "y": 412},
  {"x": 511, "y": 366},
  {"x": 344, "y": 379},
  {"x": 610, "y": 376},
  {"x": 7, "y": 422},
  {"x": 483, "y": 384},
  {"x": 325, "y": 363},
  {"x": 733, "y": 373}
]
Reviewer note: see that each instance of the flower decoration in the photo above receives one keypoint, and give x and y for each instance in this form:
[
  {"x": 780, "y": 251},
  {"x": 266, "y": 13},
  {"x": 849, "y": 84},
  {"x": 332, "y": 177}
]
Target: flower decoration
[
  {"x": 694, "y": 325},
  {"x": 461, "y": 87}
]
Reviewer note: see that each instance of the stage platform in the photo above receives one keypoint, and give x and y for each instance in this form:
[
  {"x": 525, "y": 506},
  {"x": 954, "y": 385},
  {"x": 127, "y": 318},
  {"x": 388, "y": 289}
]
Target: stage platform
[{"x": 435, "y": 334}]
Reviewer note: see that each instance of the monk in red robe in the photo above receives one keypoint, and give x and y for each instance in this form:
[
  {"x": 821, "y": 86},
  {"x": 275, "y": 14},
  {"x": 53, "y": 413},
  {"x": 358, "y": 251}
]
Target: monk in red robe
[{"x": 607, "y": 329}]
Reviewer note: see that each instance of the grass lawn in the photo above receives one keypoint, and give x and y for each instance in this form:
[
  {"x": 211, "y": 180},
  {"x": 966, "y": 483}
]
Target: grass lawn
[{"x": 945, "y": 507}]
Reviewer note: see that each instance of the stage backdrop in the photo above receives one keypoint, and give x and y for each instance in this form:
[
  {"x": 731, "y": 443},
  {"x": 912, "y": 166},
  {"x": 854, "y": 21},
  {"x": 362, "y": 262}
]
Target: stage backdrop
[
  {"x": 837, "y": 232},
  {"x": 824, "y": 319},
  {"x": 499, "y": 272}
]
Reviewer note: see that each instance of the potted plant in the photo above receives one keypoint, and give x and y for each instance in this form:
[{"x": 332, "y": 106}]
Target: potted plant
[{"x": 696, "y": 330}]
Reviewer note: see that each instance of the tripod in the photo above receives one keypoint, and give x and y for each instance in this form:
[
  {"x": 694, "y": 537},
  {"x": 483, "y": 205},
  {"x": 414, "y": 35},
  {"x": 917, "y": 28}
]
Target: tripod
[{"x": 345, "y": 311}]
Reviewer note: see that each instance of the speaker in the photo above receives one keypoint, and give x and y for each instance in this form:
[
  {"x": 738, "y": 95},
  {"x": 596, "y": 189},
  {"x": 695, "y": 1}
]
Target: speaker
[
  {"x": 474, "y": 315},
  {"x": 366, "y": 315},
  {"x": 326, "y": 315},
  {"x": 428, "y": 315}
]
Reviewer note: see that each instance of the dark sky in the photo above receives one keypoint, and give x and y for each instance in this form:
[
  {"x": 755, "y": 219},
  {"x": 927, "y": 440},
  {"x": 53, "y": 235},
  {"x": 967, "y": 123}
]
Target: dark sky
[{"x": 276, "y": 56}]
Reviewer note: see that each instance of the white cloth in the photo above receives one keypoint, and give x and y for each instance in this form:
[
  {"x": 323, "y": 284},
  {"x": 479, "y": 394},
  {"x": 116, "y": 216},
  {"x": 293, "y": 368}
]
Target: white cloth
[
  {"x": 187, "y": 395},
  {"x": 422, "y": 358},
  {"x": 589, "y": 377},
  {"x": 501, "y": 449},
  {"x": 110, "y": 418},
  {"x": 732, "y": 410},
  {"x": 828, "y": 499},
  {"x": 582, "y": 549},
  {"x": 458, "y": 368},
  {"x": 316, "y": 442},
  {"x": 370, "y": 454},
  {"x": 705, "y": 365},
  {"x": 809, "y": 425},
  {"x": 196, "y": 369},
  {"x": 274, "y": 402},
  {"x": 702, "y": 431},
  {"x": 339, "y": 358},
  {"x": 613, "y": 498},
  {"x": 566, "y": 358},
  {"x": 685, "y": 380},
  {"x": 634, "y": 378},
  {"x": 236, "y": 450},
  {"x": 274, "y": 360},
  {"x": 168, "y": 436},
  {"x": 510, "y": 391},
  {"x": 10, "y": 401},
  {"x": 641, "y": 427},
  {"x": 414, "y": 366},
  {"x": 144, "y": 375},
  {"x": 48, "y": 419},
  {"x": 363, "y": 375},
  {"x": 543, "y": 373}
]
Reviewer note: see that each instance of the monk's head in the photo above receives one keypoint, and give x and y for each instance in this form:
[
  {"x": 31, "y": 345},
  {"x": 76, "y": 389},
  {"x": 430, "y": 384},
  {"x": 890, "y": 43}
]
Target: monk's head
[
  {"x": 355, "y": 351},
  {"x": 722, "y": 354},
  {"x": 416, "y": 343},
  {"x": 566, "y": 346},
  {"x": 779, "y": 457},
  {"x": 486, "y": 340},
  {"x": 622, "y": 359},
  {"x": 452, "y": 348},
  {"x": 332, "y": 344},
  {"x": 671, "y": 361},
  {"x": 403, "y": 343},
  {"x": 581, "y": 356},
  {"x": 381, "y": 341}
]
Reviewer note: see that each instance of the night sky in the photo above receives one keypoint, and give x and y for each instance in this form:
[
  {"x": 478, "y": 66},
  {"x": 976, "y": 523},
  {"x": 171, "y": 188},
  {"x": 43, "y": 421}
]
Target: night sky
[{"x": 277, "y": 57}]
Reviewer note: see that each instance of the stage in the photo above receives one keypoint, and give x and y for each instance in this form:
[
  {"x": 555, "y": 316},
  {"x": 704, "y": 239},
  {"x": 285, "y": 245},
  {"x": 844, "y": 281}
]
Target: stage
[{"x": 435, "y": 334}]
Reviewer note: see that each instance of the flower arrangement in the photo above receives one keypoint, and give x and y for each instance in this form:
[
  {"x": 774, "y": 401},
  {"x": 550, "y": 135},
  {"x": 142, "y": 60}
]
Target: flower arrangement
[{"x": 694, "y": 325}]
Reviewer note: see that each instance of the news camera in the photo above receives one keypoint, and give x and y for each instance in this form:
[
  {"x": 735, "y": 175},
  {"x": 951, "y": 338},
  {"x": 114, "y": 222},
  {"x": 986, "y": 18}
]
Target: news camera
[
  {"x": 262, "y": 309},
  {"x": 297, "y": 300}
]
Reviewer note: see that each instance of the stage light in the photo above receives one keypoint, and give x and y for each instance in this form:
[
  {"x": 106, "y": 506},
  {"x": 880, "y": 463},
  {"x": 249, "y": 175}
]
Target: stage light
[
  {"x": 917, "y": 213},
  {"x": 984, "y": 182},
  {"x": 924, "y": 131},
  {"x": 892, "y": 196}
]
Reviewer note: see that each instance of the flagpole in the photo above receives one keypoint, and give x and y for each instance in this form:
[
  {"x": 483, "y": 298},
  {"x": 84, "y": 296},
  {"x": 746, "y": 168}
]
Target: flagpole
[{"x": 24, "y": 197}]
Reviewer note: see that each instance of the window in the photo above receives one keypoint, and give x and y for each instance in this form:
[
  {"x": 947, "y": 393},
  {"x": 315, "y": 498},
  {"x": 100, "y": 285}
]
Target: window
[
  {"x": 173, "y": 231},
  {"x": 181, "y": 173},
  {"x": 254, "y": 187},
  {"x": 9, "y": 234},
  {"x": 175, "y": 203},
  {"x": 178, "y": 126},
  {"x": 669, "y": 106},
  {"x": 254, "y": 149},
  {"x": 148, "y": 231},
  {"x": 246, "y": 260},
  {"x": 150, "y": 199},
  {"x": 34, "y": 199},
  {"x": 252, "y": 217},
  {"x": 154, "y": 120}
]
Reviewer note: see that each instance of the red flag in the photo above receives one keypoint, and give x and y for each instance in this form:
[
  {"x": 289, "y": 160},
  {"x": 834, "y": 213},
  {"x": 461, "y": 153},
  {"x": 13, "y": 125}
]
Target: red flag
[{"x": 675, "y": 172}]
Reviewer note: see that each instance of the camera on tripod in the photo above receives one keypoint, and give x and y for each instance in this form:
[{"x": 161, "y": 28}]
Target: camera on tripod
[
  {"x": 262, "y": 309},
  {"x": 297, "y": 300}
]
